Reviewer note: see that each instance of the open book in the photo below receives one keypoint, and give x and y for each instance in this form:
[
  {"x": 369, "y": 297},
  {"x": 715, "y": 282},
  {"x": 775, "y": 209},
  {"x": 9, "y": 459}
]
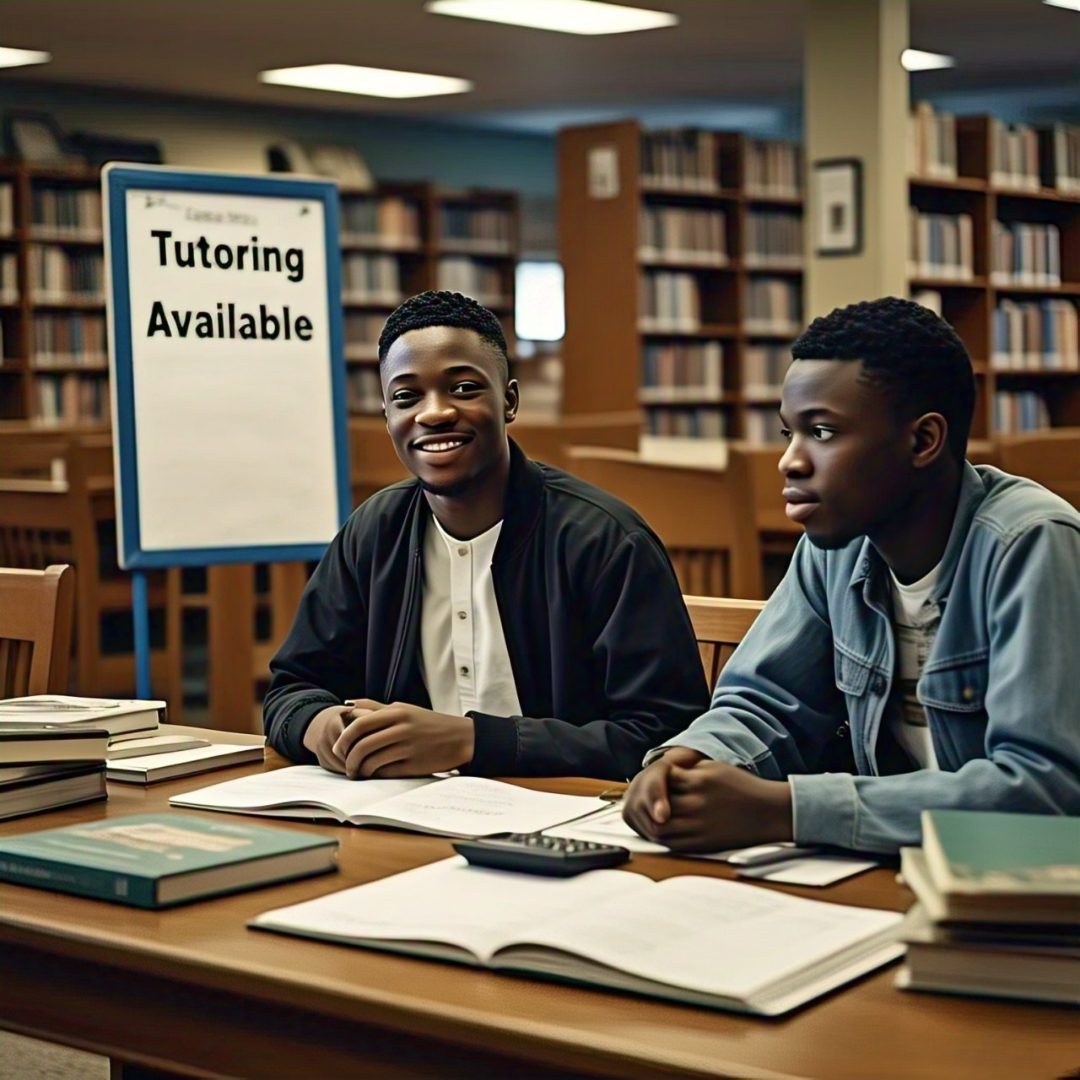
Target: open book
[
  {"x": 454, "y": 806},
  {"x": 692, "y": 939}
]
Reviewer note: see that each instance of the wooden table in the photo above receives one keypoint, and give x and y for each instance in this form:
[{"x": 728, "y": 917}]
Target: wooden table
[{"x": 192, "y": 989}]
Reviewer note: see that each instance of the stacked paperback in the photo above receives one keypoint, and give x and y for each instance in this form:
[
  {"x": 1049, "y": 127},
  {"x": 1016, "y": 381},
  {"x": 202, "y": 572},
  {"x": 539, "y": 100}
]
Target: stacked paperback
[
  {"x": 999, "y": 906},
  {"x": 53, "y": 748}
]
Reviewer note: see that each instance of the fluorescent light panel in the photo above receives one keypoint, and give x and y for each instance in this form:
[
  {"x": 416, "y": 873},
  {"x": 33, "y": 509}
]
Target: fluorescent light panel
[
  {"x": 918, "y": 60},
  {"x": 373, "y": 82},
  {"x": 1069, "y": 5},
  {"x": 22, "y": 57},
  {"x": 564, "y": 16}
]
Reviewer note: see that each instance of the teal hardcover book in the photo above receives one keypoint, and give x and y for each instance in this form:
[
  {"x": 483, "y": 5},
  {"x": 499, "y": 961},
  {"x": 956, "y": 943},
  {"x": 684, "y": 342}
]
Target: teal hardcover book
[
  {"x": 984, "y": 864},
  {"x": 156, "y": 860}
]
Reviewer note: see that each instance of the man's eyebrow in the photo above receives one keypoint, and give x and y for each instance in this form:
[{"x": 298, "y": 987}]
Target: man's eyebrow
[
  {"x": 815, "y": 410},
  {"x": 456, "y": 369}
]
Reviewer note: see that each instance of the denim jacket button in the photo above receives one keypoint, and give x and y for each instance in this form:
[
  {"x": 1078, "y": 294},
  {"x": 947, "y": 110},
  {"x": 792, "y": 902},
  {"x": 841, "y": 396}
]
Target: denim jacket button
[
  {"x": 878, "y": 685},
  {"x": 842, "y": 731}
]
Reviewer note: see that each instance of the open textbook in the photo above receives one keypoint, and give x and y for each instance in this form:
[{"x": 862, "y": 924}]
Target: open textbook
[
  {"x": 692, "y": 939},
  {"x": 454, "y": 806}
]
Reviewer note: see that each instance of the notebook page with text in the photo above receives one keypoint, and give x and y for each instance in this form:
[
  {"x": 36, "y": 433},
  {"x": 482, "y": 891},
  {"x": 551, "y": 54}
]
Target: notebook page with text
[
  {"x": 449, "y": 902},
  {"x": 713, "y": 936},
  {"x": 474, "y": 806},
  {"x": 302, "y": 790}
]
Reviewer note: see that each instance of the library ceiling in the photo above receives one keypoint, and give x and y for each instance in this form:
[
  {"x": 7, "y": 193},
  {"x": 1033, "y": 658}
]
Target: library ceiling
[{"x": 746, "y": 51}]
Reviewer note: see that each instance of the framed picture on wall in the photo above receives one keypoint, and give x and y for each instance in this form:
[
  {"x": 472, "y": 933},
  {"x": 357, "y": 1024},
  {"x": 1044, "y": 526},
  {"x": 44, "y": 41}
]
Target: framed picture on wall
[
  {"x": 837, "y": 199},
  {"x": 34, "y": 137}
]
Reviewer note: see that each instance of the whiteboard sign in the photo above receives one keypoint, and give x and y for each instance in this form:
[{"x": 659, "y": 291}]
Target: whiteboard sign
[{"x": 227, "y": 370}]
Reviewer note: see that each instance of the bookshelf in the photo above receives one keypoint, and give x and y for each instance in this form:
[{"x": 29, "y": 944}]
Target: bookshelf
[
  {"x": 683, "y": 276},
  {"x": 402, "y": 238},
  {"x": 995, "y": 249},
  {"x": 396, "y": 240},
  {"x": 52, "y": 300}
]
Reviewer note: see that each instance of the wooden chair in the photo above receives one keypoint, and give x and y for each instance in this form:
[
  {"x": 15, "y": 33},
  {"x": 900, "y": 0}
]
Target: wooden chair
[
  {"x": 1052, "y": 458},
  {"x": 719, "y": 626},
  {"x": 704, "y": 517},
  {"x": 57, "y": 506},
  {"x": 36, "y": 611}
]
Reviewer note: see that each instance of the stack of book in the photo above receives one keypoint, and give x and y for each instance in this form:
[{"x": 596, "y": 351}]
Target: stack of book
[
  {"x": 53, "y": 748},
  {"x": 44, "y": 765},
  {"x": 999, "y": 906}
]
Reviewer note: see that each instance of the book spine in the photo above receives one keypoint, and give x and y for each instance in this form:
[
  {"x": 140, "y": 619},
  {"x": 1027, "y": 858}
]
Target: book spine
[{"x": 82, "y": 881}]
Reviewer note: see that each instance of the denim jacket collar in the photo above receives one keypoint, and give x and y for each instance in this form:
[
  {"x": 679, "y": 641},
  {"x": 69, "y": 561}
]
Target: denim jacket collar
[{"x": 972, "y": 493}]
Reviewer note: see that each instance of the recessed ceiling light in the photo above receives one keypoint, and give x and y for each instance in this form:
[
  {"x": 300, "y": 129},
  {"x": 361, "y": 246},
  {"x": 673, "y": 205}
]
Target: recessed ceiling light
[
  {"x": 375, "y": 82},
  {"x": 917, "y": 60},
  {"x": 565, "y": 16},
  {"x": 22, "y": 57},
  {"x": 1071, "y": 5}
]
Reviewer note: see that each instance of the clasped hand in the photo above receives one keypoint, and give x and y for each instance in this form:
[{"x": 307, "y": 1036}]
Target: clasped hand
[
  {"x": 369, "y": 739},
  {"x": 689, "y": 803}
]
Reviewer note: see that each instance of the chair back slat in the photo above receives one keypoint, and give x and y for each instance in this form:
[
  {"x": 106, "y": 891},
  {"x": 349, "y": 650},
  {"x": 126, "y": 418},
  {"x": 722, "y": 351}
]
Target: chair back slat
[
  {"x": 719, "y": 625},
  {"x": 36, "y": 612}
]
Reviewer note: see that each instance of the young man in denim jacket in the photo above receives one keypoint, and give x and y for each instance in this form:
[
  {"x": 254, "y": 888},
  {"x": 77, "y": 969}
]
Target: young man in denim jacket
[{"x": 926, "y": 629}]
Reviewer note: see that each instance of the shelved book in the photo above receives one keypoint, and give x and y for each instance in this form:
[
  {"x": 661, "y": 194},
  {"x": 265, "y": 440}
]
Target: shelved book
[
  {"x": 157, "y": 860},
  {"x": 768, "y": 953},
  {"x": 74, "y": 713},
  {"x": 451, "y": 806}
]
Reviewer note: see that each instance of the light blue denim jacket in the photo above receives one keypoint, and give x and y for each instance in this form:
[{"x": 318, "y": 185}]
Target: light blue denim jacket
[{"x": 1001, "y": 686}]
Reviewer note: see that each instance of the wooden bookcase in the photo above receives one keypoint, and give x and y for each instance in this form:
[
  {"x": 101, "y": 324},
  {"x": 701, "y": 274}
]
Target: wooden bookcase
[
  {"x": 466, "y": 241},
  {"x": 969, "y": 304},
  {"x": 397, "y": 239},
  {"x": 56, "y": 240},
  {"x": 606, "y": 341},
  {"x": 610, "y": 345}
]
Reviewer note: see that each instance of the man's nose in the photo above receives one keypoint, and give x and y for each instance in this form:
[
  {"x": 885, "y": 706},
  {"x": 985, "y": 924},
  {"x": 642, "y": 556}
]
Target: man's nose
[
  {"x": 436, "y": 410},
  {"x": 793, "y": 461}
]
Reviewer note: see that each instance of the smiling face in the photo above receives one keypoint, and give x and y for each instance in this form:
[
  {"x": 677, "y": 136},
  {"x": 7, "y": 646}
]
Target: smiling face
[
  {"x": 447, "y": 405},
  {"x": 849, "y": 469}
]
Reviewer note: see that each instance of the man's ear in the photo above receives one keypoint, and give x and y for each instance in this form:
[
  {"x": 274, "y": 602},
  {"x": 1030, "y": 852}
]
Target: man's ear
[
  {"x": 511, "y": 400},
  {"x": 929, "y": 438}
]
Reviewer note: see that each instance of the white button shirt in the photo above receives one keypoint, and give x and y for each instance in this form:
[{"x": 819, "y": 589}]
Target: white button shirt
[{"x": 463, "y": 649}]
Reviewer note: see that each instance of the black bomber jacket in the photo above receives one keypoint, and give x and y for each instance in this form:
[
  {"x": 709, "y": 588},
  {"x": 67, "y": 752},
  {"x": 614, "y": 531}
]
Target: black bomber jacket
[{"x": 602, "y": 650}]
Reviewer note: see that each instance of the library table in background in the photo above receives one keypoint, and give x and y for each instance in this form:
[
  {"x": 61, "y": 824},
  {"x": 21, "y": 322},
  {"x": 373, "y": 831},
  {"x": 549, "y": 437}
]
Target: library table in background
[{"x": 193, "y": 990}]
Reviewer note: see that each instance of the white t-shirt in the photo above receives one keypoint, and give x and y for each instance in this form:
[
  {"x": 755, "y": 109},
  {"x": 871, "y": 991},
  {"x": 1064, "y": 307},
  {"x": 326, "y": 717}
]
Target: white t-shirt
[
  {"x": 463, "y": 650},
  {"x": 915, "y": 620}
]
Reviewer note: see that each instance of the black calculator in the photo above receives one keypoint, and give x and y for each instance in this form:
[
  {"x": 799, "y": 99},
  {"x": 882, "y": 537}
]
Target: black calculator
[{"x": 532, "y": 853}]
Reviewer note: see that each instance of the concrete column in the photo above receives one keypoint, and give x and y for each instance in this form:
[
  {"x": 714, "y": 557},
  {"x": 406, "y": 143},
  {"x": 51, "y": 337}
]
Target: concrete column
[{"x": 856, "y": 106}]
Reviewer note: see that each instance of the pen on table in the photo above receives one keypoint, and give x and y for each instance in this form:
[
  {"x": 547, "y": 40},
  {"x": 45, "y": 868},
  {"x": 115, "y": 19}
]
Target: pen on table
[{"x": 768, "y": 853}]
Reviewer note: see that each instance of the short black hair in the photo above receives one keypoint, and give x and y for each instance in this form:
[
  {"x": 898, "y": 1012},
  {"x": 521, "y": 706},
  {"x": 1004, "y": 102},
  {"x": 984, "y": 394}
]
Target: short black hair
[
  {"x": 914, "y": 355},
  {"x": 441, "y": 308}
]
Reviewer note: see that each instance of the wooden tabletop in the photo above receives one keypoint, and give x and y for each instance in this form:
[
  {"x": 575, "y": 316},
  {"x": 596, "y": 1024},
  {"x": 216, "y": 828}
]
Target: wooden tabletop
[{"x": 193, "y": 989}]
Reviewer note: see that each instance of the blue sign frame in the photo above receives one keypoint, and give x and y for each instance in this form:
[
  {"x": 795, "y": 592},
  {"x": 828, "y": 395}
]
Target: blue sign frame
[{"x": 117, "y": 181}]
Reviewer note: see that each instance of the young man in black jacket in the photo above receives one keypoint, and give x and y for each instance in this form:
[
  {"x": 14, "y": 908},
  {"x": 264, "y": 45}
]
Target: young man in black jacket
[{"x": 493, "y": 614}]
